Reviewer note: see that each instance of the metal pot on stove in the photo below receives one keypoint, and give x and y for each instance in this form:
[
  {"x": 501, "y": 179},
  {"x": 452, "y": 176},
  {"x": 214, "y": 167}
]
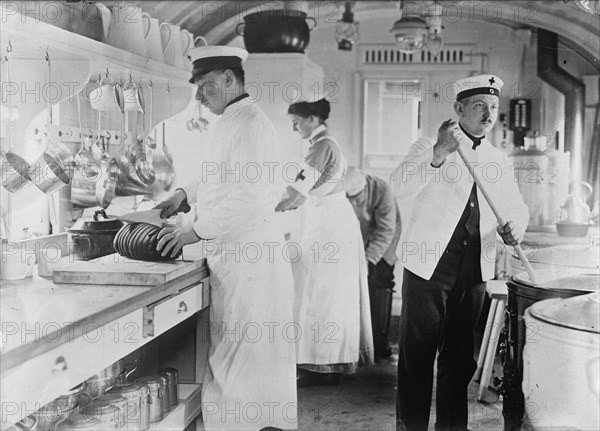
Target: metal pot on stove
[
  {"x": 522, "y": 294},
  {"x": 94, "y": 238},
  {"x": 561, "y": 361}
]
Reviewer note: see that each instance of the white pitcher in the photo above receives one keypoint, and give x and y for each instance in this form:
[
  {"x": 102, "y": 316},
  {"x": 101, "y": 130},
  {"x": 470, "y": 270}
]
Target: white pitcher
[
  {"x": 171, "y": 43},
  {"x": 154, "y": 48},
  {"x": 125, "y": 28}
]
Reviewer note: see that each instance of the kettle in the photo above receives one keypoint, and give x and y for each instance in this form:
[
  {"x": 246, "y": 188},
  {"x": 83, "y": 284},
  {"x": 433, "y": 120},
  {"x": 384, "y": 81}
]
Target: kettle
[{"x": 575, "y": 210}]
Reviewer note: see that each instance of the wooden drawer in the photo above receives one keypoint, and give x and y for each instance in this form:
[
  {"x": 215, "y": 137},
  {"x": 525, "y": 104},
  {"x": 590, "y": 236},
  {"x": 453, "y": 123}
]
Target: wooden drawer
[
  {"x": 41, "y": 379},
  {"x": 166, "y": 313}
]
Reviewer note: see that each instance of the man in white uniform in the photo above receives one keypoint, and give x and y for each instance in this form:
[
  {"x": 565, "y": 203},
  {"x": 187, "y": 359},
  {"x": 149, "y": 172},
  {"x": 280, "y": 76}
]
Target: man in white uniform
[
  {"x": 250, "y": 382},
  {"x": 448, "y": 252}
]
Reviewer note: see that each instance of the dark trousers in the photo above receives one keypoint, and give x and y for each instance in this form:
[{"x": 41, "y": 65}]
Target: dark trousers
[
  {"x": 438, "y": 315},
  {"x": 381, "y": 285}
]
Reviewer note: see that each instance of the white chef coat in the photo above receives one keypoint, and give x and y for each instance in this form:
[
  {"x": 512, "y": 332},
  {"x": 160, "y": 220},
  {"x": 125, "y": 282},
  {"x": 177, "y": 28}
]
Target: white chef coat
[
  {"x": 250, "y": 382},
  {"x": 440, "y": 195}
]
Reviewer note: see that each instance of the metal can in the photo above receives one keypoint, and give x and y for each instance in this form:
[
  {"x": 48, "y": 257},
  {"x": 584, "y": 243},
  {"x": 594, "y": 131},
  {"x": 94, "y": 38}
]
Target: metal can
[
  {"x": 166, "y": 400},
  {"x": 171, "y": 374},
  {"x": 154, "y": 383}
]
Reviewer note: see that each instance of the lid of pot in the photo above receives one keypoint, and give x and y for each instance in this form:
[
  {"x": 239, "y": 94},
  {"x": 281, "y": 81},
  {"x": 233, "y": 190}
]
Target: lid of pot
[
  {"x": 111, "y": 398},
  {"x": 99, "y": 222},
  {"x": 98, "y": 410},
  {"x": 580, "y": 312},
  {"x": 579, "y": 279},
  {"x": 167, "y": 371},
  {"x": 153, "y": 382},
  {"x": 126, "y": 389}
]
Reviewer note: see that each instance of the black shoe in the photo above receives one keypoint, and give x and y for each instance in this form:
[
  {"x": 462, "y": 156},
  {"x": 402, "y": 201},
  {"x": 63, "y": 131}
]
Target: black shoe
[{"x": 384, "y": 352}]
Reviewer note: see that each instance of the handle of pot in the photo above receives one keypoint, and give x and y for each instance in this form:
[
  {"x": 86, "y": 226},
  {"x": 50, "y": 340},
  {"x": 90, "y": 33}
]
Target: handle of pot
[
  {"x": 100, "y": 212},
  {"x": 128, "y": 372},
  {"x": 314, "y": 21},
  {"x": 239, "y": 29}
]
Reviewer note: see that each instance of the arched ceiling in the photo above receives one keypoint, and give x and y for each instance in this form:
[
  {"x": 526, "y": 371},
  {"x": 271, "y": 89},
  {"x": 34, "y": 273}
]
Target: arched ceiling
[{"x": 217, "y": 20}]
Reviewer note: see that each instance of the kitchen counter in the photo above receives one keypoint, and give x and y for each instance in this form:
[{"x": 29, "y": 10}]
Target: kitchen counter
[
  {"x": 550, "y": 238},
  {"x": 54, "y": 336}
]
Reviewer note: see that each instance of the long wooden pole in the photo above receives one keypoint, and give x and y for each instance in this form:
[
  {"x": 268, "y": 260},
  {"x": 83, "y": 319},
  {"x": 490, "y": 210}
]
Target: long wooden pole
[{"x": 490, "y": 201}]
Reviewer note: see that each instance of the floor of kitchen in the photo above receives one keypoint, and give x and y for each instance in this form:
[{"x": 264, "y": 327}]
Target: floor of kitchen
[{"x": 367, "y": 400}]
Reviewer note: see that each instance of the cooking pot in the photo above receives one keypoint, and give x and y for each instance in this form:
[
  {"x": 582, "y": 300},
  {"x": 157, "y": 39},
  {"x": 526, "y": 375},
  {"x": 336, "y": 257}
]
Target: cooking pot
[
  {"x": 94, "y": 238},
  {"x": 15, "y": 172},
  {"x": 119, "y": 402},
  {"x": 138, "y": 407},
  {"x": 107, "y": 378},
  {"x": 561, "y": 363},
  {"x": 96, "y": 416},
  {"x": 53, "y": 169},
  {"x": 279, "y": 30},
  {"x": 522, "y": 293}
]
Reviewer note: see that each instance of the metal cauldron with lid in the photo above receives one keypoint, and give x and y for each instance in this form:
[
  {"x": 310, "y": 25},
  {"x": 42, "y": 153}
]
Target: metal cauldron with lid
[
  {"x": 94, "y": 238},
  {"x": 522, "y": 293},
  {"x": 561, "y": 363}
]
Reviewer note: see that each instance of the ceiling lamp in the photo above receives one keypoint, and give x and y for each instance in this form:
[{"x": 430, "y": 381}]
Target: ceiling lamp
[
  {"x": 410, "y": 33},
  {"x": 346, "y": 29},
  {"x": 415, "y": 31},
  {"x": 590, "y": 6}
]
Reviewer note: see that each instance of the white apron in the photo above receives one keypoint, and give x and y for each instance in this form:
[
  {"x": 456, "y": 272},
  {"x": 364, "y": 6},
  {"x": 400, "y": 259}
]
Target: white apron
[
  {"x": 330, "y": 281},
  {"x": 250, "y": 380}
]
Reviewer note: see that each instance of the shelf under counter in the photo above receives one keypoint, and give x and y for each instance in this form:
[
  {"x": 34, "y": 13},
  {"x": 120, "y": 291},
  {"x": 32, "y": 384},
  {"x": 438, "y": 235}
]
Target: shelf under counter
[{"x": 57, "y": 335}]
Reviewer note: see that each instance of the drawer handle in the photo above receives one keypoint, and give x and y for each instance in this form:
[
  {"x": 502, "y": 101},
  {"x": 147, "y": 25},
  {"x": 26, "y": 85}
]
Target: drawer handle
[
  {"x": 59, "y": 365},
  {"x": 182, "y": 308}
]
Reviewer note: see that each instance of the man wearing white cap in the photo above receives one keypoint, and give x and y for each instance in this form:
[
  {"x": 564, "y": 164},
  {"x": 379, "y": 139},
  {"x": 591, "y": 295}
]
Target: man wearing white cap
[
  {"x": 448, "y": 252},
  {"x": 250, "y": 381}
]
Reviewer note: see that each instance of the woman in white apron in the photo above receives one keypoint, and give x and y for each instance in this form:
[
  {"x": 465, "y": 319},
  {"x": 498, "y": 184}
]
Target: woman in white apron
[{"x": 330, "y": 273}]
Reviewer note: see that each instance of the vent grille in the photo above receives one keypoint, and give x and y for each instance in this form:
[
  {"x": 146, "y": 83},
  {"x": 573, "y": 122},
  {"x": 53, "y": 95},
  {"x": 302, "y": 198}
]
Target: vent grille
[{"x": 389, "y": 54}]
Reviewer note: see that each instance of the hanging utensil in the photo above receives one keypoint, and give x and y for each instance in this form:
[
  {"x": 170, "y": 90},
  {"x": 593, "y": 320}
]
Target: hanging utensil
[
  {"x": 150, "y": 141},
  {"x": 129, "y": 183},
  {"x": 53, "y": 169},
  {"x": 143, "y": 166}
]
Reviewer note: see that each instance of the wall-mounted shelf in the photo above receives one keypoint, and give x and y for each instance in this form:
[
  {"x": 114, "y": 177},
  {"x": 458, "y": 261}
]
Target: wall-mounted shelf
[{"x": 31, "y": 39}]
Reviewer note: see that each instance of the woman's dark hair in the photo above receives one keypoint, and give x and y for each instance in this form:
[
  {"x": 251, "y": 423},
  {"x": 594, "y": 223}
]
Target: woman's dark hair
[{"x": 319, "y": 109}]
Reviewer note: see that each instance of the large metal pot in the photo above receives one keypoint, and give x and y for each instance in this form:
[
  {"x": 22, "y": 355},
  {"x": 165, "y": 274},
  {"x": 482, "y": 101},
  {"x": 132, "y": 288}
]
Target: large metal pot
[
  {"x": 521, "y": 295},
  {"x": 561, "y": 363},
  {"x": 94, "y": 238},
  {"x": 271, "y": 31},
  {"x": 172, "y": 376}
]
